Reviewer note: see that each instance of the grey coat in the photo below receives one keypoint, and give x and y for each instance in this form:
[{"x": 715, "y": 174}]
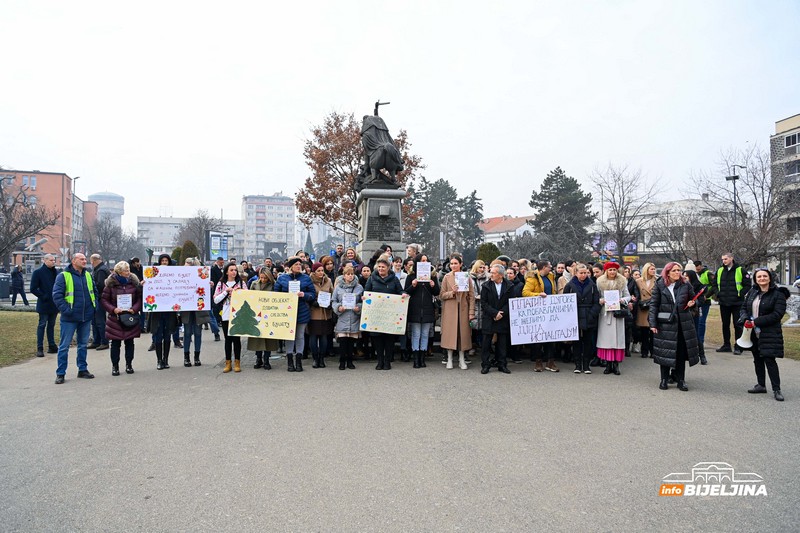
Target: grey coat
[{"x": 349, "y": 321}]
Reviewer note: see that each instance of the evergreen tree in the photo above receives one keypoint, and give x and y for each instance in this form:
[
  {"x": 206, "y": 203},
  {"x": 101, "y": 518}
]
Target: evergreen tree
[
  {"x": 488, "y": 252},
  {"x": 563, "y": 214},
  {"x": 309, "y": 247},
  {"x": 470, "y": 215},
  {"x": 176, "y": 254},
  {"x": 245, "y": 323},
  {"x": 189, "y": 249}
]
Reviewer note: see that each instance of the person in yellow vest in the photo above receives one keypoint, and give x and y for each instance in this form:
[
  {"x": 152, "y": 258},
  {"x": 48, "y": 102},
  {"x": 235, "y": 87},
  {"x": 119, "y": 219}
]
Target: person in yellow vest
[
  {"x": 542, "y": 282},
  {"x": 73, "y": 294},
  {"x": 733, "y": 282}
]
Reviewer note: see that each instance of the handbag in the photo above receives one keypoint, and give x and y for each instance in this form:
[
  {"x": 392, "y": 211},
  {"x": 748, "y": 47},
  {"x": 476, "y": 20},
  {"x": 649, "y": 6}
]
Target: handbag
[
  {"x": 623, "y": 313},
  {"x": 667, "y": 318},
  {"x": 644, "y": 304},
  {"x": 128, "y": 320}
]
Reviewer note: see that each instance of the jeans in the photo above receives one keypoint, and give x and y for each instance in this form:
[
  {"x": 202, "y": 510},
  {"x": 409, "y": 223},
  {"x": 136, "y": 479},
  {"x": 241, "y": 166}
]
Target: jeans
[
  {"x": 419, "y": 336},
  {"x": 192, "y": 330},
  {"x": 46, "y": 322},
  {"x": 701, "y": 325},
  {"x": 213, "y": 323},
  {"x": 99, "y": 326},
  {"x": 319, "y": 345},
  {"x": 159, "y": 328},
  {"x": 298, "y": 344},
  {"x": 68, "y": 329}
]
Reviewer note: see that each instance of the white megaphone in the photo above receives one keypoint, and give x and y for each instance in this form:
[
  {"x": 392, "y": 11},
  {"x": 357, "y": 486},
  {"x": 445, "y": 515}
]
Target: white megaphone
[{"x": 744, "y": 341}]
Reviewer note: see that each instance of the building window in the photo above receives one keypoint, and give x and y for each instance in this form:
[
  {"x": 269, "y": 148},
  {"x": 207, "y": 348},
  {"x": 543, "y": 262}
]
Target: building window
[
  {"x": 32, "y": 201},
  {"x": 791, "y": 140},
  {"x": 792, "y": 169},
  {"x": 33, "y": 183},
  {"x": 24, "y": 181}
]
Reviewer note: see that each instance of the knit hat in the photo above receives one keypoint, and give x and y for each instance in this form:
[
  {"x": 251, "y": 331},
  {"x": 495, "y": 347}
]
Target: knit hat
[
  {"x": 291, "y": 261},
  {"x": 690, "y": 266},
  {"x": 610, "y": 264},
  {"x": 315, "y": 266}
]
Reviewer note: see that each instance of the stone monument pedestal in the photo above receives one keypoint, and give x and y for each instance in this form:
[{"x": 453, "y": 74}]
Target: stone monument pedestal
[{"x": 380, "y": 221}]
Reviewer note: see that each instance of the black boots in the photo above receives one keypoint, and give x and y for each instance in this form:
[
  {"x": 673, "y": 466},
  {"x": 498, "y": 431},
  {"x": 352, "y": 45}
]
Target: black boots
[
  {"x": 290, "y": 362},
  {"x": 417, "y": 356},
  {"x": 342, "y": 362},
  {"x": 319, "y": 361},
  {"x": 186, "y": 361},
  {"x": 615, "y": 368},
  {"x": 682, "y": 385},
  {"x": 298, "y": 363},
  {"x": 663, "y": 385},
  {"x": 422, "y": 359},
  {"x": 259, "y": 361},
  {"x": 166, "y": 354},
  {"x": 267, "y": 366},
  {"x": 315, "y": 364},
  {"x": 197, "y": 359},
  {"x": 609, "y": 367},
  {"x": 159, "y": 357},
  {"x": 115, "y": 369}
]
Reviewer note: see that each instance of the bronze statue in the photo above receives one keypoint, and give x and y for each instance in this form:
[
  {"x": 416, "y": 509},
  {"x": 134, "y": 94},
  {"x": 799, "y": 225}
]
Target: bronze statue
[{"x": 380, "y": 154}]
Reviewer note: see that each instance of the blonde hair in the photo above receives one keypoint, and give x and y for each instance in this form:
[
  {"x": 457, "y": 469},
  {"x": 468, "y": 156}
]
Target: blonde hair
[
  {"x": 122, "y": 266},
  {"x": 646, "y": 272},
  {"x": 476, "y": 266}
]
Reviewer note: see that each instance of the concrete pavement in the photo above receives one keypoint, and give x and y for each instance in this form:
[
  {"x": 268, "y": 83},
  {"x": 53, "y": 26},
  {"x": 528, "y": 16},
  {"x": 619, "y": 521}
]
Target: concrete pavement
[{"x": 425, "y": 450}]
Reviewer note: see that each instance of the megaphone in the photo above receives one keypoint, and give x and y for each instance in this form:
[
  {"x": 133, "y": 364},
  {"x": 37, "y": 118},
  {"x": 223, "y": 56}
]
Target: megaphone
[{"x": 744, "y": 341}]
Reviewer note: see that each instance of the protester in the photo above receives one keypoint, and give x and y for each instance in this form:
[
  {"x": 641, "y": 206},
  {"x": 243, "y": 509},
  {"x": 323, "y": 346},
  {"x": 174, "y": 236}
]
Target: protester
[
  {"x": 674, "y": 337},
  {"x": 542, "y": 283},
  {"x": 122, "y": 284},
  {"x": 321, "y": 323},
  {"x": 458, "y": 310},
  {"x": 762, "y": 313},
  {"x": 733, "y": 282},
  {"x": 384, "y": 281},
  {"x": 421, "y": 311},
  {"x": 42, "y": 281},
  {"x": 479, "y": 275},
  {"x": 611, "y": 325},
  {"x": 193, "y": 322},
  {"x": 709, "y": 282},
  {"x": 100, "y": 273},
  {"x": 162, "y": 325},
  {"x": 588, "y": 302},
  {"x": 305, "y": 296},
  {"x": 231, "y": 281},
  {"x": 347, "y": 326},
  {"x": 261, "y": 345},
  {"x": 494, "y": 305},
  {"x": 697, "y": 287},
  {"x": 18, "y": 285},
  {"x": 74, "y": 296},
  {"x": 646, "y": 284}
]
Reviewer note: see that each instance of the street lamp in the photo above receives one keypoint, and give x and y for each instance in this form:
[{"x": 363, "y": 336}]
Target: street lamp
[
  {"x": 74, "y": 223},
  {"x": 734, "y": 178}
]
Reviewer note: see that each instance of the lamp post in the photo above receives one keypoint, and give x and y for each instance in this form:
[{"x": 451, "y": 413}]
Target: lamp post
[
  {"x": 734, "y": 178},
  {"x": 74, "y": 223}
]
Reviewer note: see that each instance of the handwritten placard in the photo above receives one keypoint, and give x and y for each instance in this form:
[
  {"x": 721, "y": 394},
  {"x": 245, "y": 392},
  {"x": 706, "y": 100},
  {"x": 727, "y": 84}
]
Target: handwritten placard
[
  {"x": 265, "y": 314},
  {"x": 384, "y": 313},
  {"x": 349, "y": 300},
  {"x": 124, "y": 301},
  {"x": 176, "y": 288},
  {"x": 423, "y": 271},
  {"x": 324, "y": 299},
  {"x": 612, "y": 300},
  {"x": 462, "y": 281},
  {"x": 294, "y": 286},
  {"x": 549, "y": 319}
]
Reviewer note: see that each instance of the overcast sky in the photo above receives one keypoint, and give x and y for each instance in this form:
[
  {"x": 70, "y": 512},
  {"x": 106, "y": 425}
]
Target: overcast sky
[{"x": 180, "y": 105}]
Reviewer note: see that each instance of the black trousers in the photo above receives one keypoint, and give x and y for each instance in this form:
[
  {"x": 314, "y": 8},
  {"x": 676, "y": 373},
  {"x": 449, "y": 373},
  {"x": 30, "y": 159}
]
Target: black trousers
[
  {"x": 542, "y": 350},
  {"x": 384, "y": 346},
  {"x": 233, "y": 343},
  {"x": 116, "y": 346},
  {"x": 764, "y": 365},
  {"x": 646, "y": 338},
  {"x": 728, "y": 313},
  {"x": 681, "y": 356},
  {"x": 583, "y": 348},
  {"x": 499, "y": 349}
]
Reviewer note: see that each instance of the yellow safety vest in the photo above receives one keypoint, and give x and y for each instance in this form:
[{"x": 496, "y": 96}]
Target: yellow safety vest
[
  {"x": 738, "y": 275},
  {"x": 69, "y": 294}
]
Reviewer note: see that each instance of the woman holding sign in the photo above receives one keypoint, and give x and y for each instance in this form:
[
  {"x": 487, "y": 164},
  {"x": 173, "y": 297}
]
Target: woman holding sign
[
  {"x": 347, "y": 306},
  {"x": 231, "y": 281},
  {"x": 320, "y": 325},
  {"x": 263, "y": 346},
  {"x": 299, "y": 283},
  {"x": 670, "y": 318},
  {"x": 383, "y": 280},
  {"x": 421, "y": 309},
  {"x": 614, "y": 297},
  {"x": 458, "y": 309},
  {"x": 122, "y": 295}
]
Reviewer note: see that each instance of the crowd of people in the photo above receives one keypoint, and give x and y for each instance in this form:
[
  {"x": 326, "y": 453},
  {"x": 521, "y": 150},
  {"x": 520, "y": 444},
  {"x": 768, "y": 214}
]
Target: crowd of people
[{"x": 658, "y": 315}]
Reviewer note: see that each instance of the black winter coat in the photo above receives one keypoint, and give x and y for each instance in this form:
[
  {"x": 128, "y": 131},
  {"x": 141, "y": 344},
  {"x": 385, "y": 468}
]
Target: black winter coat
[
  {"x": 665, "y": 342},
  {"x": 388, "y": 285},
  {"x": 727, "y": 294},
  {"x": 491, "y": 304},
  {"x": 42, "y": 281},
  {"x": 421, "y": 308},
  {"x": 17, "y": 280},
  {"x": 588, "y": 299},
  {"x": 770, "y": 313}
]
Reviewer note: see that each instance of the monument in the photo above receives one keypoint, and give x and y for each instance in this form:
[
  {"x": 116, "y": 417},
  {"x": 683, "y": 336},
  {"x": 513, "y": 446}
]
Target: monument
[{"x": 379, "y": 201}]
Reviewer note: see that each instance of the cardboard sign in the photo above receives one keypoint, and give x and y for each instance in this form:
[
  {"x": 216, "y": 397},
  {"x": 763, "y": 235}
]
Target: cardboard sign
[
  {"x": 265, "y": 314},
  {"x": 384, "y": 313},
  {"x": 550, "y": 319},
  {"x": 176, "y": 288}
]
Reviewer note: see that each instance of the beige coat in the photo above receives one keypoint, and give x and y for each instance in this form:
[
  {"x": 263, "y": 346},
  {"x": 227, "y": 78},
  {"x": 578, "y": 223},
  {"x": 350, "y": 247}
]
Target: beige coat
[
  {"x": 317, "y": 312},
  {"x": 457, "y": 310},
  {"x": 645, "y": 293}
]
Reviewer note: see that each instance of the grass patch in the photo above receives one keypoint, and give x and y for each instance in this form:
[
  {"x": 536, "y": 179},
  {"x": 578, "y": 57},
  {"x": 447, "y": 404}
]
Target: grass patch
[
  {"x": 791, "y": 336},
  {"x": 18, "y": 334}
]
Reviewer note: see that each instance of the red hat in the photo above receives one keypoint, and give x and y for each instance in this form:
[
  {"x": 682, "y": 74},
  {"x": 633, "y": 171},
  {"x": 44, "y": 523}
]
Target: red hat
[
  {"x": 315, "y": 266},
  {"x": 610, "y": 264}
]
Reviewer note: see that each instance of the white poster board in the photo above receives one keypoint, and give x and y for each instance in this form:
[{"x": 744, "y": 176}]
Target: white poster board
[
  {"x": 462, "y": 281},
  {"x": 423, "y": 271},
  {"x": 550, "y": 319},
  {"x": 349, "y": 300},
  {"x": 324, "y": 299},
  {"x": 384, "y": 313},
  {"x": 176, "y": 288},
  {"x": 125, "y": 301},
  {"x": 612, "y": 300}
]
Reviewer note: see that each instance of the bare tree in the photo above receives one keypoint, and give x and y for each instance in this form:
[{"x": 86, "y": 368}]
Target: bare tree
[
  {"x": 755, "y": 225},
  {"x": 20, "y": 216},
  {"x": 626, "y": 198},
  {"x": 196, "y": 228},
  {"x": 106, "y": 238},
  {"x": 685, "y": 233}
]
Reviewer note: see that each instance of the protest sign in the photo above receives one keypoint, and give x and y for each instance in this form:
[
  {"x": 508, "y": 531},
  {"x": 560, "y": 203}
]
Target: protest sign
[
  {"x": 176, "y": 288},
  {"x": 294, "y": 286},
  {"x": 324, "y": 299},
  {"x": 266, "y": 314},
  {"x": 549, "y": 319},
  {"x": 384, "y": 313},
  {"x": 423, "y": 271},
  {"x": 612, "y": 300},
  {"x": 125, "y": 301},
  {"x": 349, "y": 300},
  {"x": 462, "y": 281}
]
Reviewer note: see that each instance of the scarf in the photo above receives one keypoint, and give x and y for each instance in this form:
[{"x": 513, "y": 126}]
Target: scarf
[{"x": 122, "y": 280}]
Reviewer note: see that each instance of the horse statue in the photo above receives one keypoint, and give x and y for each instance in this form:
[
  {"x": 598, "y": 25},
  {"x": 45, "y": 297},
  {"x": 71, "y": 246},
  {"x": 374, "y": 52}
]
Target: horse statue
[{"x": 380, "y": 153}]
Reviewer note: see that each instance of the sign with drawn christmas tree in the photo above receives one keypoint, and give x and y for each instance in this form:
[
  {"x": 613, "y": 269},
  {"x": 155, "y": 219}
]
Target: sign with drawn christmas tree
[
  {"x": 384, "y": 313},
  {"x": 270, "y": 315}
]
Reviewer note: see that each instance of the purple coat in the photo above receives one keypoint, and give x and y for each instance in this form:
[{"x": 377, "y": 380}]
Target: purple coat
[{"x": 114, "y": 329}]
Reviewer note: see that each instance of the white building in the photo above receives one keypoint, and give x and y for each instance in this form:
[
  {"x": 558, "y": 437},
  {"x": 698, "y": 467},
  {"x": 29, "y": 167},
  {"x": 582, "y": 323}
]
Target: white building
[
  {"x": 160, "y": 233},
  {"x": 495, "y": 229},
  {"x": 109, "y": 205},
  {"x": 269, "y": 221}
]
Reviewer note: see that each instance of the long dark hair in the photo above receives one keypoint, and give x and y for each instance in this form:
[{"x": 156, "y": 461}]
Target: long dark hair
[{"x": 225, "y": 279}]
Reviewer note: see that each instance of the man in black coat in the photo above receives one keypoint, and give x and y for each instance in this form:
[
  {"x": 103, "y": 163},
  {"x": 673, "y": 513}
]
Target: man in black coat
[
  {"x": 99, "y": 274},
  {"x": 42, "y": 281},
  {"x": 494, "y": 306},
  {"x": 733, "y": 282}
]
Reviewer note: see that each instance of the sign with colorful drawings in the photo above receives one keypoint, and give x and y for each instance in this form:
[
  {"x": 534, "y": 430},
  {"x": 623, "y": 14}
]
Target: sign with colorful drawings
[
  {"x": 384, "y": 313},
  {"x": 176, "y": 288},
  {"x": 271, "y": 315}
]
